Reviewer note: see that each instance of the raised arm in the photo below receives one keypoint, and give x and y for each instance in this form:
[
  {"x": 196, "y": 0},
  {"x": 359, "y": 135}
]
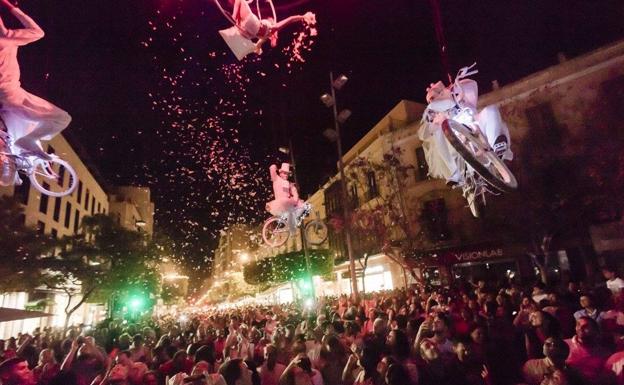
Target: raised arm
[
  {"x": 308, "y": 18},
  {"x": 31, "y": 31},
  {"x": 273, "y": 172}
]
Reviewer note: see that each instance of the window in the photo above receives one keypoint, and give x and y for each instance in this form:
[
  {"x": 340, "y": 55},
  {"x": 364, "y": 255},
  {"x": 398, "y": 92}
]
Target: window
[
  {"x": 68, "y": 209},
  {"x": 436, "y": 220},
  {"x": 54, "y": 233},
  {"x": 22, "y": 191},
  {"x": 373, "y": 192},
  {"x": 76, "y": 220},
  {"x": 355, "y": 202},
  {"x": 61, "y": 178},
  {"x": 99, "y": 210},
  {"x": 92, "y": 205},
  {"x": 57, "y": 209},
  {"x": 43, "y": 201},
  {"x": 40, "y": 227},
  {"x": 86, "y": 205},
  {"x": 79, "y": 196},
  {"x": 545, "y": 130},
  {"x": 422, "y": 168},
  {"x": 51, "y": 150}
]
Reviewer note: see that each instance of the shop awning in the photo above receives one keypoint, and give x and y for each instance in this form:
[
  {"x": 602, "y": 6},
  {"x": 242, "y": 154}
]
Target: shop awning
[{"x": 9, "y": 314}]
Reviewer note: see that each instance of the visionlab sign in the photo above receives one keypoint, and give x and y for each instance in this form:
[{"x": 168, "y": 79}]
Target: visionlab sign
[{"x": 469, "y": 254}]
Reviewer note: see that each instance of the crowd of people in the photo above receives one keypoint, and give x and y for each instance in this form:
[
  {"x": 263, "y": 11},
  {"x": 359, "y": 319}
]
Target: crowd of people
[{"x": 481, "y": 334}]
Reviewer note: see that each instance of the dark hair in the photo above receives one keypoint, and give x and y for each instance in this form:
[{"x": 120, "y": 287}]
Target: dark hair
[
  {"x": 206, "y": 353},
  {"x": 462, "y": 339},
  {"x": 401, "y": 348},
  {"x": 231, "y": 371},
  {"x": 397, "y": 374},
  {"x": 371, "y": 355},
  {"x": 271, "y": 359},
  {"x": 305, "y": 364}
]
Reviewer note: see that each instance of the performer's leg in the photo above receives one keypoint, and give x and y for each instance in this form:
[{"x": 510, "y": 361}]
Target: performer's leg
[
  {"x": 496, "y": 131},
  {"x": 49, "y": 121}
]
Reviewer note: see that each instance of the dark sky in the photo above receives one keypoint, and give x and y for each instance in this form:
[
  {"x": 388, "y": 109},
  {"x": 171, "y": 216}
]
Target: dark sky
[{"x": 113, "y": 65}]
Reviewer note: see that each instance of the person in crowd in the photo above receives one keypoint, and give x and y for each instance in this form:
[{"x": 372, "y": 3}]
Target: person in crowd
[
  {"x": 587, "y": 356},
  {"x": 464, "y": 368},
  {"x": 436, "y": 328},
  {"x": 236, "y": 372},
  {"x": 588, "y": 309},
  {"x": 15, "y": 371},
  {"x": 300, "y": 372},
  {"x": 556, "y": 352},
  {"x": 47, "y": 367},
  {"x": 271, "y": 371},
  {"x": 614, "y": 283}
]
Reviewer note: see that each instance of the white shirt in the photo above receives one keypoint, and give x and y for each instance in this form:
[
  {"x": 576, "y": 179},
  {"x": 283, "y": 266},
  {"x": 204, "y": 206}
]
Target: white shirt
[{"x": 615, "y": 285}]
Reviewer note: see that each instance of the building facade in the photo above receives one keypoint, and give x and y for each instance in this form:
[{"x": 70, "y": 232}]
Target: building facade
[{"x": 62, "y": 216}]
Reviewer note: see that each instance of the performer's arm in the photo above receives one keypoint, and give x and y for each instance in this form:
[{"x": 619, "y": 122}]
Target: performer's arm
[
  {"x": 31, "y": 31},
  {"x": 273, "y": 172},
  {"x": 308, "y": 18},
  {"x": 294, "y": 192}
]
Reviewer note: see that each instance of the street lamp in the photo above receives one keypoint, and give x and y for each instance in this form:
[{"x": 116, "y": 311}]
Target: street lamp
[{"x": 329, "y": 100}]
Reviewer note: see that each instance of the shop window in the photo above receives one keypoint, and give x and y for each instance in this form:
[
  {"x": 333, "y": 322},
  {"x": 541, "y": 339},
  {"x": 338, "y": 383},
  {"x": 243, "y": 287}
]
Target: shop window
[
  {"x": 92, "y": 205},
  {"x": 422, "y": 168},
  {"x": 432, "y": 276},
  {"x": 373, "y": 191},
  {"x": 54, "y": 233},
  {"x": 86, "y": 203},
  {"x": 436, "y": 220}
]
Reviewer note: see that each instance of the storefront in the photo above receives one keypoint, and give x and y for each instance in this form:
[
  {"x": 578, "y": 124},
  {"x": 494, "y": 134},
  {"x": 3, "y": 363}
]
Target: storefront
[{"x": 472, "y": 263}]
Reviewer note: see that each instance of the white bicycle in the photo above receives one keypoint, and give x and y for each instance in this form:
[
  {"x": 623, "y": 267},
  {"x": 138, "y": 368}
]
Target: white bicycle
[
  {"x": 43, "y": 174},
  {"x": 481, "y": 168},
  {"x": 275, "y": 231}
]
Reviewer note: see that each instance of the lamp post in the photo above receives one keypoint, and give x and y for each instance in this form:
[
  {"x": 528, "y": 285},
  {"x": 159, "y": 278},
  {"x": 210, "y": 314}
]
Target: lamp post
[{"x": 339, "y": 118}]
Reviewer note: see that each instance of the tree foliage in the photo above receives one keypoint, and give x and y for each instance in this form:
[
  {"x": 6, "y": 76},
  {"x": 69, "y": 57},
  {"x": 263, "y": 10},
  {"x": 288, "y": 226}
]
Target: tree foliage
[{"x": 288, "y": 266}]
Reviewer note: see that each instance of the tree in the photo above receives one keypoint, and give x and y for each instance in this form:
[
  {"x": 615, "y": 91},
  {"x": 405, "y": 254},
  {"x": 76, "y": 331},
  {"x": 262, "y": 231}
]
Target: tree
[
  {"x": 20, "y": 247},
  {"x": 106, "y": 261},
  {"x": 387, "y": 221}
]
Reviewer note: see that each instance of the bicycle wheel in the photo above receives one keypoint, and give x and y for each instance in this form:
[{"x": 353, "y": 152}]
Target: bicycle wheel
[
  {"x": 315, "y": 232},
  {"x": 274, "y": 232},
  {"x": 478, "y": 154},
  {"x": 43, "y": 174}
]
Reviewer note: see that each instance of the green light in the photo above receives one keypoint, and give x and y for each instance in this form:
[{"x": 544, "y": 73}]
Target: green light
[{"x": 135, "y": 303}]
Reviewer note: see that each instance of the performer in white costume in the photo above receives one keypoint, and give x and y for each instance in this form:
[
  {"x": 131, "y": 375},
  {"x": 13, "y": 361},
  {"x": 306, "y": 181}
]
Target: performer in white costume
[
  {"x": 250, "y": 32},
  {"x": 28, "y": 118},
  {"x": 286, "y": 196},
  {"x": 458, "y": 102}
]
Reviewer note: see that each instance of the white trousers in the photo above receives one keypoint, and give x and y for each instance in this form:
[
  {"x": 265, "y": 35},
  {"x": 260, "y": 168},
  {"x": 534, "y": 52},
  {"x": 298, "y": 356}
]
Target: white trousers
[{"x": 29, "y": 116}]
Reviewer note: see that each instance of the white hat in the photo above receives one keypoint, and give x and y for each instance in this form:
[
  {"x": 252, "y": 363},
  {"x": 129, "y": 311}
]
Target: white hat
[{"x": 284, "y": 168}]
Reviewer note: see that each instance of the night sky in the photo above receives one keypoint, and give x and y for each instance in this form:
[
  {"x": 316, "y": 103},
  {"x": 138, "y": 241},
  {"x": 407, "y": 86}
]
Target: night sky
[{"x": 157, "y": 99}]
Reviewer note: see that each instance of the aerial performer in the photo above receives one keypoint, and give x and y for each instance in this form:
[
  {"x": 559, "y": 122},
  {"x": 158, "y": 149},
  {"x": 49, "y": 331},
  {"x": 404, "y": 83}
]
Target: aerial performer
[
  {"x": 463, "y": 145},
  {"x": 250, "y": 31},
  {"x": 458, "y": 101},
  {"x": 28, "y": 118},
  {"x": 286, "y": 196}
]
